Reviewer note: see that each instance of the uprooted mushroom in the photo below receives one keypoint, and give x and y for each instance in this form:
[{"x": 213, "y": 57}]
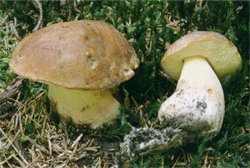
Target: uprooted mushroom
[
  {"x": 196, "y": 108},
  {"x": 81, "y": 61}
]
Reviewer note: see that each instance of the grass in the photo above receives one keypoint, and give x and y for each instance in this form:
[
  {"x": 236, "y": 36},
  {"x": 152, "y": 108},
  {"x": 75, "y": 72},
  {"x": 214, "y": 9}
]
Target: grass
[{"x": 30, "y": 135}]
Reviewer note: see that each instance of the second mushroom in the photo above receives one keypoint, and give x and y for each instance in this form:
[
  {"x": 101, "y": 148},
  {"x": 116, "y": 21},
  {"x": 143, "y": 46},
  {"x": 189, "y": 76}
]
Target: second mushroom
[
  {"x": 198, "y": 60},
  {"x": 196, "y": 109}
]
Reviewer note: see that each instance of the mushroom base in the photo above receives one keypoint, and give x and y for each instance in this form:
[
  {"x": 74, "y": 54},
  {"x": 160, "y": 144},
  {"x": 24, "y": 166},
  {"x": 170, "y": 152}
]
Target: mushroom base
[
  {"x": 143, "y": 141},
  {"x": 90, "y": 107}
]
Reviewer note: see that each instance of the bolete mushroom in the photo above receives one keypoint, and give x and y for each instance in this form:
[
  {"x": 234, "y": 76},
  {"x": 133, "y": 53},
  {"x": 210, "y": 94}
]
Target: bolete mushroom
[
  {"x": 81, "y": 61},
  {"x": 196, "y": 108},
  {"x": 195, "y": 60}
]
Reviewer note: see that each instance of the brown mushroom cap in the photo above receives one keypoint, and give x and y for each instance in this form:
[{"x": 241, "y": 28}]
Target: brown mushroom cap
[
  {"x": 218, "y": 50},
  {"x": 78, "y": 54}
]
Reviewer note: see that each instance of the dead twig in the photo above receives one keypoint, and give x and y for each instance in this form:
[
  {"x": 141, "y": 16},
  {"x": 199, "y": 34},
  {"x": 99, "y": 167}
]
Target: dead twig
[
  {"x": 38, "y": 5},
  {"x": 23, "y": 161},
  {"x": 76, "y": 141},
  {"x": 6, "y": 160},
  {"x": 12, "y": 90},
  {"x": 13, "y": 28}
]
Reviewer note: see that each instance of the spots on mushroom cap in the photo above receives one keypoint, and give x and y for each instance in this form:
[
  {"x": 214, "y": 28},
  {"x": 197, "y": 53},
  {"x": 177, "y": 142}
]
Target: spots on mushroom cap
[{"x": 92, "y": 62}]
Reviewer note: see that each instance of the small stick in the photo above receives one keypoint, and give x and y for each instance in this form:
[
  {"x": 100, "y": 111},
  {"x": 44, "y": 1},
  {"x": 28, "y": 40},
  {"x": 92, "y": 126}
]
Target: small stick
[
  {"x": 19, "y": 161},
  {"x": 38, "y": 4},
  {"x": 12, "y": 90},
  {"x": 6, "y": 160},
  {"x": 41, "y": 148},
  {"x": 76, "y": 141},
  {"x": 13, "y": 27},
  {"x": 14, "y": 147},
  {"x": 49, "y": 143}
]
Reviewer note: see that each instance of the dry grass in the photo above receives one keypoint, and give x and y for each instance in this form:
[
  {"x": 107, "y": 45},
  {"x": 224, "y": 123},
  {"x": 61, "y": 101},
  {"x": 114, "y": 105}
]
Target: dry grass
[{"x": 30, "y": 139}]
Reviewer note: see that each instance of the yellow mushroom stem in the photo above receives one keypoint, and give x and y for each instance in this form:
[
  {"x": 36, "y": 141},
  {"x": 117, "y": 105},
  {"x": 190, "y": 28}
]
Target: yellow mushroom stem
[
  {"x": 93, "y": 107},
  {"x": 197, "y": 105}
]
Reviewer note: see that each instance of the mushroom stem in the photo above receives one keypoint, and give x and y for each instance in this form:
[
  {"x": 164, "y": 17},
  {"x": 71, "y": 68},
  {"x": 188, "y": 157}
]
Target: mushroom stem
[
  {"x": 93, "y": 107},
  {"x": 197, "y": 105}
]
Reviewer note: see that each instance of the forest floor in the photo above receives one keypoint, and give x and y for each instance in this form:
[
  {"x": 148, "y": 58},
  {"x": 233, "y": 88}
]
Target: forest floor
[{"x": 33, "y": 136}]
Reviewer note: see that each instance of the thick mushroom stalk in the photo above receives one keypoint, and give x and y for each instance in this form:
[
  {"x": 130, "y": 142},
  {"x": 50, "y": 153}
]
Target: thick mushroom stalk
[
  {"x": 197, "y": 105},
  {"x": 93, "y": 107}
]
